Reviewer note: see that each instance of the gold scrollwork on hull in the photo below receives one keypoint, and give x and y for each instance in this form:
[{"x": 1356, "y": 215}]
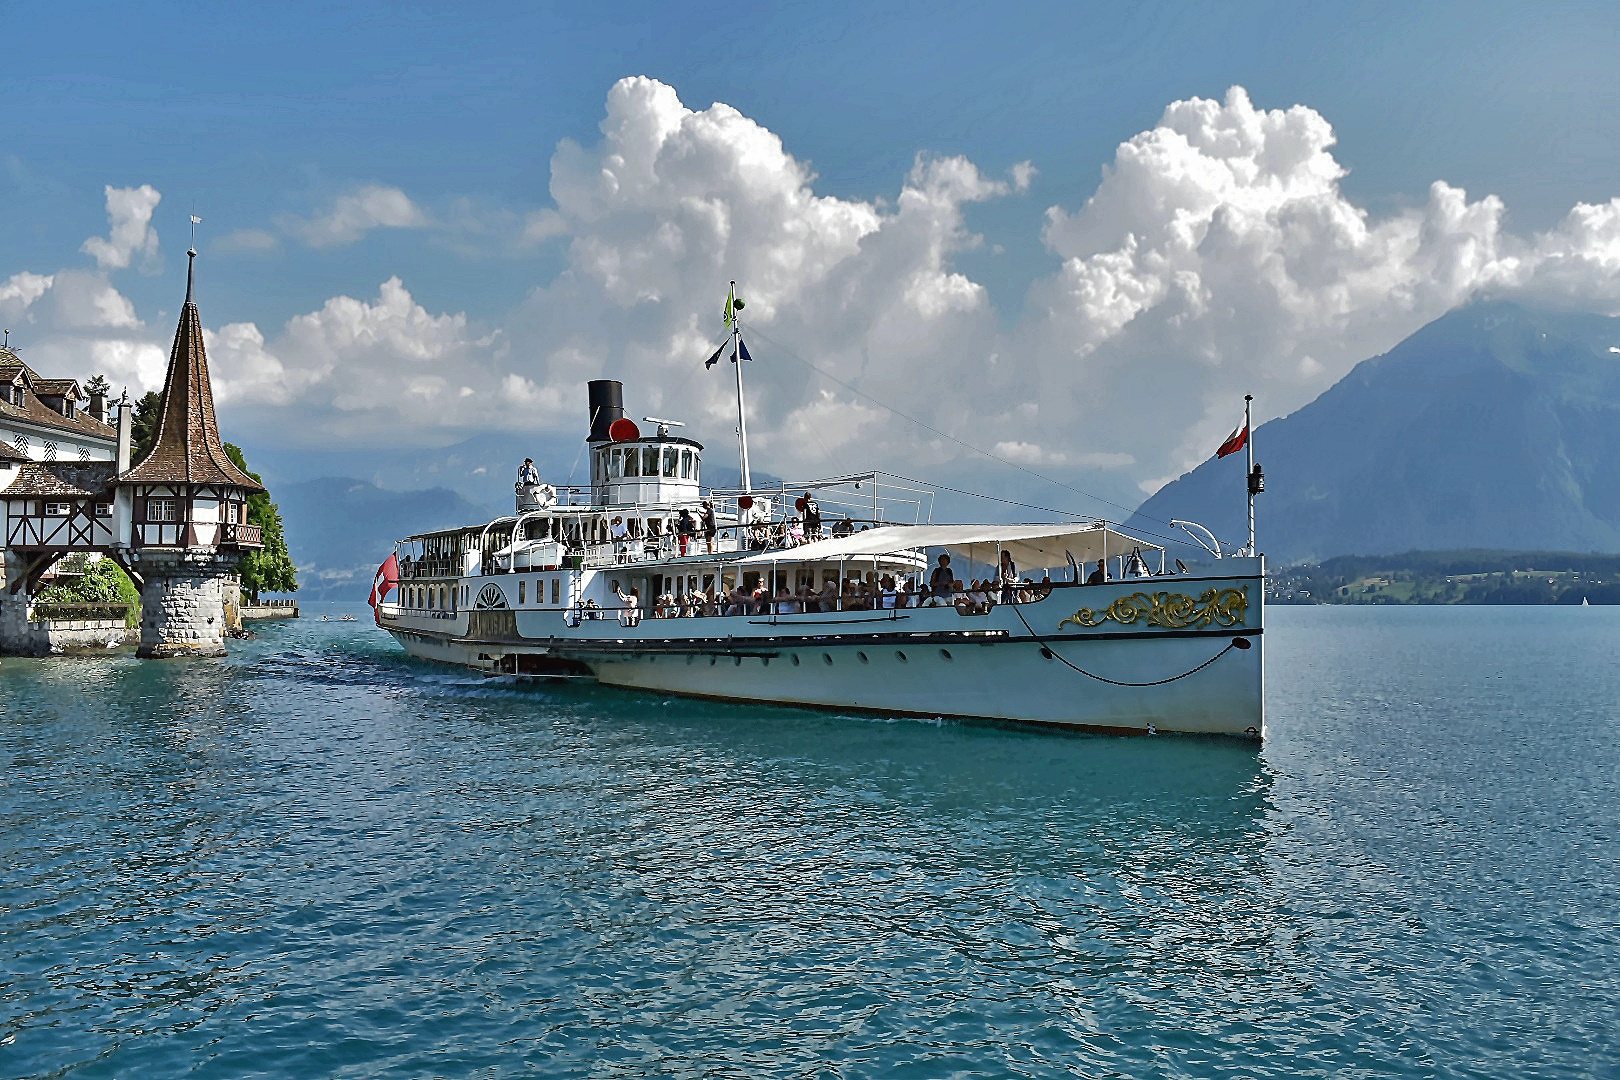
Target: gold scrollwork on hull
[{"x": 1172, "y": 611}]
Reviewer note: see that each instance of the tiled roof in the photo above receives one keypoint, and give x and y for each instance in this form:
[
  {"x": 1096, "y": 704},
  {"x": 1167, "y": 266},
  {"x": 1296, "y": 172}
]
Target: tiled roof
[
  {"x": 57, "y": 388},
  {"x": 35, "y": 411},
  {"x": 63, "y": 479},
  {"x": 188, "y": 449},
  {"x": 11, "y": 453}
]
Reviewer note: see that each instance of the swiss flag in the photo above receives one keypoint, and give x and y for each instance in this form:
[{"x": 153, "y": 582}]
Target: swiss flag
[
  {"x": 1235, "y": 441},
  {"x": 387, "y": 579}
]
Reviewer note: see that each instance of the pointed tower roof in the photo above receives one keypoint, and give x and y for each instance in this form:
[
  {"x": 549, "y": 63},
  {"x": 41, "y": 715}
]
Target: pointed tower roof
[{"x": 188, "y": 449}]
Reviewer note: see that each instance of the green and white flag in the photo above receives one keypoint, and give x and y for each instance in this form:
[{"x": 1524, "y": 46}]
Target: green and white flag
[{"x": 733, "y": 305}]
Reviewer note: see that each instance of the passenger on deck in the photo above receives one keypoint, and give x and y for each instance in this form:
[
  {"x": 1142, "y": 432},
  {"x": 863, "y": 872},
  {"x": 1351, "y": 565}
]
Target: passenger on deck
[
  {"x": 942, "y": 583},
  {"x": 684, "y": 528},
  {"x": 812, "y": 518},
  {"x": 845, "y": 527},
  {"x": 528, "y": 475},
  {"x": 1008, "y": 577},
  {"x": 829, "y": 595},
  {"x": 709, "y": 527},
  {"x": 888, "y": 595},
  {"x": 631, "y": 602},
  {"x": 621, "y": 538},
  {"x": 740, "y": 601},
  {"x": 785, "y": 602},
  {"x": 1098, "y": 576}
]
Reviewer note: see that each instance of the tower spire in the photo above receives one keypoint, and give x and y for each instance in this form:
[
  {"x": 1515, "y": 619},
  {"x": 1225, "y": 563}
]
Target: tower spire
[{"x": 191, "y": 266}]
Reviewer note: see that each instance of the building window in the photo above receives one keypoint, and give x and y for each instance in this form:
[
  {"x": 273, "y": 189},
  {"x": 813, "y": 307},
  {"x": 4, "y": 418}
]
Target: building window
[
  {"x": 50, "y": 450},
  {"x": 103, "y": 509},
  {"x": 162, "y": 510},
  {"x": 58, "y": 509}
]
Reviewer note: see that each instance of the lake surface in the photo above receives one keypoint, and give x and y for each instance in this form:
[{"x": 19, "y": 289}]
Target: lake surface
[{"x": 321, "y": 859}]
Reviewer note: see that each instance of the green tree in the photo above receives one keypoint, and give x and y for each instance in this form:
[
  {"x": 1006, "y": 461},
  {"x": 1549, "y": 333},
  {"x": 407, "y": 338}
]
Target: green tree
[
  {"x": 145, "y": 428},
  {"x": 100, "y": 582},
  {"x": 271, "y": 568},
  {"x": 98, "y": 385}
]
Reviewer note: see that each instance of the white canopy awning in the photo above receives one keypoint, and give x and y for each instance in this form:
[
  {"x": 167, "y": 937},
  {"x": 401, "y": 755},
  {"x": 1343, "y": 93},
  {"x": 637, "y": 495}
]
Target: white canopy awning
[{"x": 1031, "y": 545}]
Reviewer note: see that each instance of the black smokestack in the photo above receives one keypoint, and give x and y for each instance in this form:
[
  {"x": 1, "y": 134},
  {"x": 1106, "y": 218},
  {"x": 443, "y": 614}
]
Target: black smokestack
[{"x": 607, "y": 405}]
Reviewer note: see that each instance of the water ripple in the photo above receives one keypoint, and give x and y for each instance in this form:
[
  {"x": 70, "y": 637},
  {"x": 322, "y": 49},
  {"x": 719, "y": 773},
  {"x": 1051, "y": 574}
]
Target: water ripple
[{"x": 321, "y": 858}]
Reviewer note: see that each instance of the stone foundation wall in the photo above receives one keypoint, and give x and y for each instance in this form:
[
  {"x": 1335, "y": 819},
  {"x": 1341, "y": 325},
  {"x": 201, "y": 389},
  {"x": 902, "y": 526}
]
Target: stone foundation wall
[{"x": 183, "y": 603}]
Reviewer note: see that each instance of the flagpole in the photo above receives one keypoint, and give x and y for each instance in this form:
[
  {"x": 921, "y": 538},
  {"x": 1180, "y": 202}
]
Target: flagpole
[
  {"x": 1248, "y": 480},
  {"x": 742, "y": 414}
]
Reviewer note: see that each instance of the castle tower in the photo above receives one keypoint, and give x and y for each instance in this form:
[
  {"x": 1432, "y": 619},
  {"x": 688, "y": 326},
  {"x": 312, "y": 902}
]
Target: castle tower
[{"x": 188, "y": 508}]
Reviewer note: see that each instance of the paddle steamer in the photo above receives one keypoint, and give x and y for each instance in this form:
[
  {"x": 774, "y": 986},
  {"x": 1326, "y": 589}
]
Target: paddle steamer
[{"x": 753, "y": 599}]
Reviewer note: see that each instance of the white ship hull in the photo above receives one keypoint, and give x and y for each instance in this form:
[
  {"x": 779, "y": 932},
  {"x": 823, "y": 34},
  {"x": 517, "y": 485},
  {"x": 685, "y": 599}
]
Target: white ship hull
[{"x": 1175, "y": 653}]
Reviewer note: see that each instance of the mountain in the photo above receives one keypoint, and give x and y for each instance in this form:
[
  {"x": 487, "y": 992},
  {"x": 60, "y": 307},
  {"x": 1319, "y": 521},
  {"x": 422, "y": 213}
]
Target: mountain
[
  {"x": 340, "y": 529},
  {"x": 1495, "y": 426}
]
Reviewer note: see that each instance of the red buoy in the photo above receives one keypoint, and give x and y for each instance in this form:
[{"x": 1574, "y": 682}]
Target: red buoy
[{"x": 623, "y": 430}]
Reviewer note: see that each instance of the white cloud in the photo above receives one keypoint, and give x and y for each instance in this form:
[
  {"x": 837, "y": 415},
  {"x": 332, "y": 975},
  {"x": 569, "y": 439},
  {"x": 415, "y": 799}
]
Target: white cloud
[
  {"x": 355, "y": 213},
  {"x": 241, "y": 241},
  {"x": 1220, "y": 256},
  {"x": 18, "y": 293},
  {"x": 129, "y": 215}
]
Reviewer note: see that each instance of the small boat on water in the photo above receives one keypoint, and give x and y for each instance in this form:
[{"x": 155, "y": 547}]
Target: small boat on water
[{"x": 839, "y": 592}]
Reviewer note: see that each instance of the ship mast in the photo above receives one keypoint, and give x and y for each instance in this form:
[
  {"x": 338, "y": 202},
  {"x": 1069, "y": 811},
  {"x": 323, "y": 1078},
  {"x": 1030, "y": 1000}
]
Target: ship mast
[{"x": 742, "y": 413}]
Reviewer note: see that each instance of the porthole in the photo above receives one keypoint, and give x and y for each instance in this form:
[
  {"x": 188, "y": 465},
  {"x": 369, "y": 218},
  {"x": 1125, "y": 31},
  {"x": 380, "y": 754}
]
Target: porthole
[
  {"x": 738, "y": 659},
  {"x": 795, "y": 659},
  {"x": 713, "y": 660},
  {"x": 864, "y": 660},
  {"x": 764, "y": 661},
  {"x": 900, "y": 656},
  {"x": 828, "y": 658},
  {"x": 946, "y": 653},
  {"x": 1047, "y": 653}
]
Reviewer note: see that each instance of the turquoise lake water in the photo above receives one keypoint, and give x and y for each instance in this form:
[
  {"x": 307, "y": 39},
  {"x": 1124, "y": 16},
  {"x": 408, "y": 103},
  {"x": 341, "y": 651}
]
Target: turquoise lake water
[{"x": 321, "y": 859}]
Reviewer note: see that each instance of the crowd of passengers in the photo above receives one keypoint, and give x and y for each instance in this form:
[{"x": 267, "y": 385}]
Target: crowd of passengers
[{"x": 886, "y": 593}]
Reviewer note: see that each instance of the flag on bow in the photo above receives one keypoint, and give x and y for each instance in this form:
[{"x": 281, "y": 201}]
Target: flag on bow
[
  {"x": 1235, "y": 441},
  {"x": 386, "y": 581}
]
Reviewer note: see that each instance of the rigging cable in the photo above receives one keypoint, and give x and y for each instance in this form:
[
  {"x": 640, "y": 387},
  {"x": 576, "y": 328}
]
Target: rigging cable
[
  {"x": 1047, "y": 649},
  {"x": 945, "y": 435}
]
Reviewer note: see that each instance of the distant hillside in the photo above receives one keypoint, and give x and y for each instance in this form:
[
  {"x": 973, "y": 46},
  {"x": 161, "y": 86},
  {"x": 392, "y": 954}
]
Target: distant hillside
[
  {"x": 1492, "y": 427},
  {"x": 1452, "y": 577},
  {"x": 339, "y": 530}
]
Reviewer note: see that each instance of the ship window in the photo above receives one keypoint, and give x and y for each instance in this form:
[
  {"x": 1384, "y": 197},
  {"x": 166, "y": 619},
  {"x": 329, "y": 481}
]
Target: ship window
[
  {"x": 686, "y": 464},
  {"x": 672, "y": 459},
  {"x": 615, "y": 464},
  {"x": 556, "y": 590},
  {"x": 649, "y": 461},
  {"x": 632, "y": 462},
  {"x": 522, "y": 589}
]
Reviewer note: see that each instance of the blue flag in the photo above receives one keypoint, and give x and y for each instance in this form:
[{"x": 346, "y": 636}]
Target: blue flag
[
  {"x": 715, "y": 359},
  {"x": 743, "y": 345}
]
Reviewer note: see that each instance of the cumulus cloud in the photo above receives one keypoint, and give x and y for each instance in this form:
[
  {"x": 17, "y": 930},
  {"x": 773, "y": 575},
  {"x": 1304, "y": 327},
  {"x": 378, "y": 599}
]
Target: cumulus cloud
[
  {"x": 129, "y": 215},
  {"x": 1220, "y": 256},
  {"x": 1217, "y": 256},
  {"x": 355, "y": 213},
  {"x": 243, "y": 241}
]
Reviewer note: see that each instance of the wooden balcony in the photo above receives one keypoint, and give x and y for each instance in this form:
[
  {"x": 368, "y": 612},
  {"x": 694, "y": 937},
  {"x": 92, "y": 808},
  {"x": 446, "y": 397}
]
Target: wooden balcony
[{"x": 232, "y": 534}]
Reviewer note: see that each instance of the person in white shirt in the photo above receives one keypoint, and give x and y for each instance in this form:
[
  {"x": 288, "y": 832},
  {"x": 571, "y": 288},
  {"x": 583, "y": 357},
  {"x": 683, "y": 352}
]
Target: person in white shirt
[{"x": 528, "y": 475}]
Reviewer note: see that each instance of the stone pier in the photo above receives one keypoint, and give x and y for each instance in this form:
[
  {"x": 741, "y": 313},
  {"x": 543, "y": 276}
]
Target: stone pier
[{"x": 183, "y": 603}]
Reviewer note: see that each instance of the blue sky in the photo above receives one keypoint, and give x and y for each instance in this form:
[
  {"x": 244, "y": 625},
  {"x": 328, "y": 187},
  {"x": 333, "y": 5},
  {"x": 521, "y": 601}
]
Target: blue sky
[{"x": 267, "y": 118}]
